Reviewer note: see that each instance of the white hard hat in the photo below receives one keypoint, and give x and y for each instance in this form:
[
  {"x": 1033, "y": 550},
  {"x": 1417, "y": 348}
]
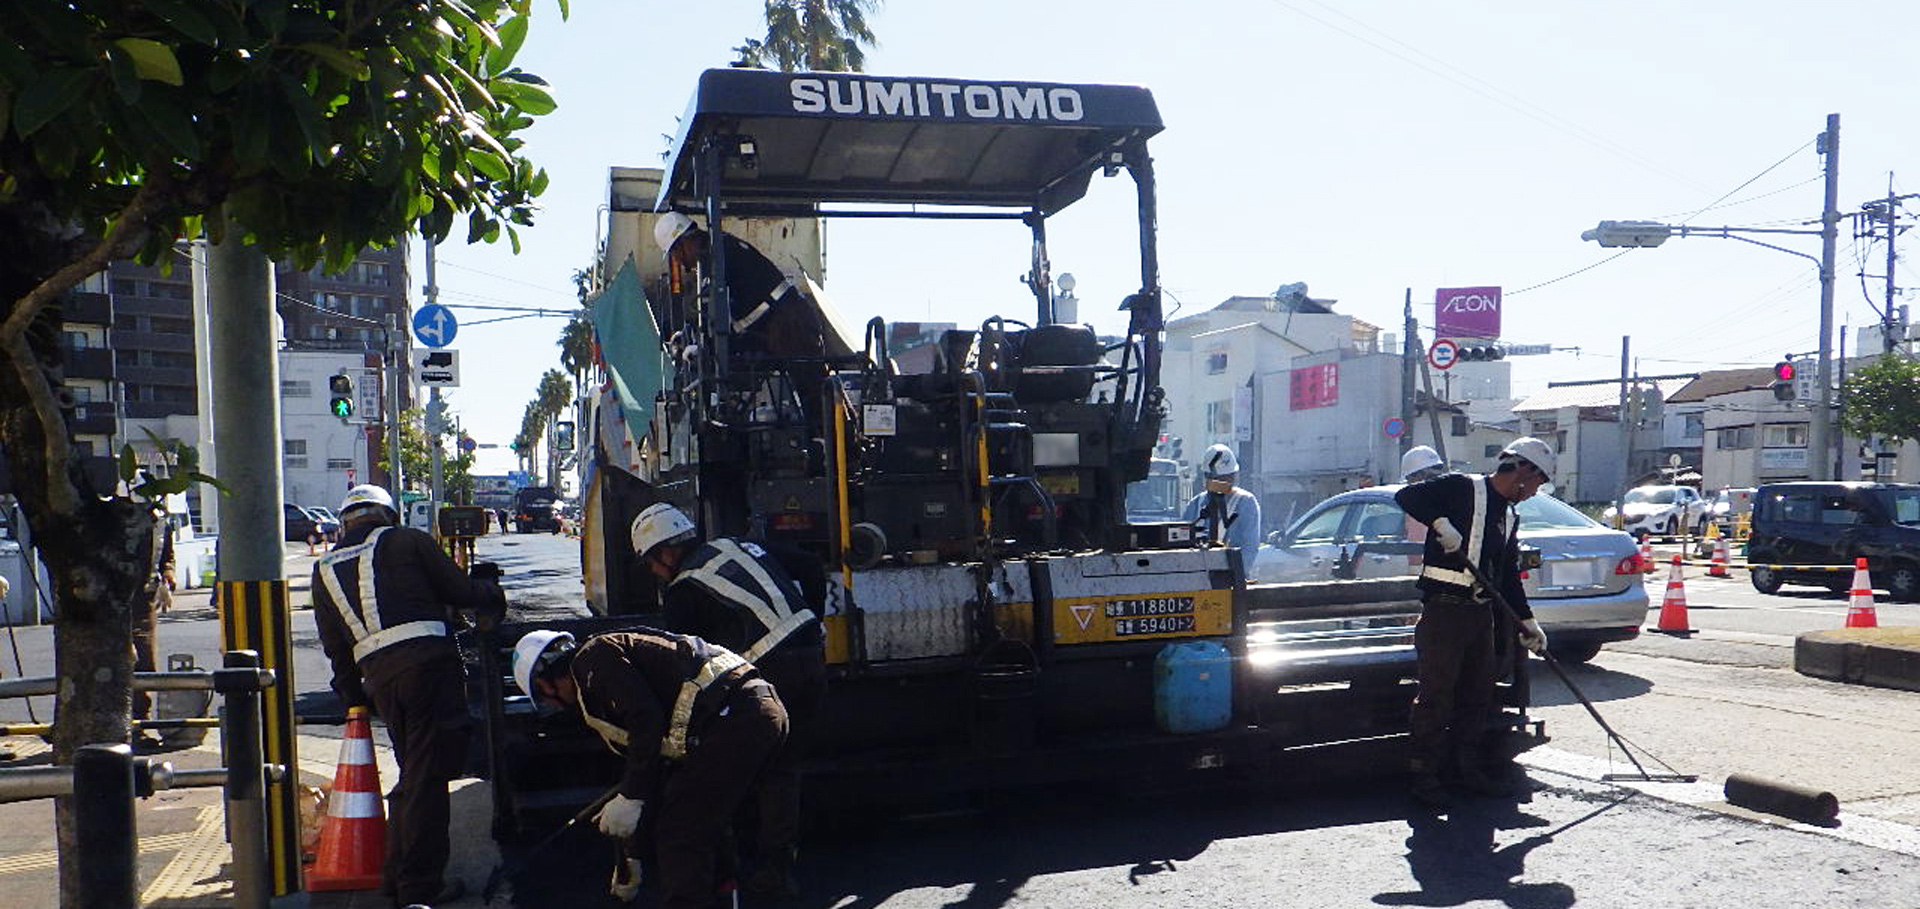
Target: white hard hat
[
  {"x": 1418, "y": 458},
  {"x": 532, "y": 647},
  {"x": 1218, "y": 461},
  {"x": 670, "y": 228},
  {"x": 364, "y": 495},
  {"x": 1533, "y": 451},
  {"x": 658, "y": 524}
]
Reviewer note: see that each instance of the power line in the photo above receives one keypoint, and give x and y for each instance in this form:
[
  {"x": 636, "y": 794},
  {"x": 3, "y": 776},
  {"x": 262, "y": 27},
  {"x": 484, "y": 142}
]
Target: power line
[{"x": 540, "y": 287}]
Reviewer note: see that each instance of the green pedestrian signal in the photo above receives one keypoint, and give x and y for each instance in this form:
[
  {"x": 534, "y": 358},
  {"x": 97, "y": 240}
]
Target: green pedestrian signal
[{"x": 341, "y": 385}]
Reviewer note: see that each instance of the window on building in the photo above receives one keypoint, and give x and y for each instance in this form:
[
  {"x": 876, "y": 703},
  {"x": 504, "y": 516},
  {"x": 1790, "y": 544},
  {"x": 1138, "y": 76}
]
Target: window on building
[
  {"x": 95, "y": 283},
  {"x": 126, "y": 323},
  {"x": 127, "y": 356},
  {"x": 1491, "y": 451},
  {"x": 169, "y": 291},
  {"x": 81, "y": 394},
  {"x": 1559, "y": 440},
  {"x": 1734, "y": 438},
  {"x": 296, "y": 388},
  {"x": 126, "y": 287},
  {"x": 173, "y": 359},
  {"x": 1542, "y": 427},
  {"x": 293, "y": 446},
  {"x": 76, "y": 340},
  {"x": 1695, "y": 426},
  {"x": 1220, "y": 417},
  {"x": 339, "y": 463},
  {"x": 164, "y": 325},
  {"x": 1216, "y": 363},
  {"x": 1461, "y": 425},
  {"x": 1786, "y": 435}
]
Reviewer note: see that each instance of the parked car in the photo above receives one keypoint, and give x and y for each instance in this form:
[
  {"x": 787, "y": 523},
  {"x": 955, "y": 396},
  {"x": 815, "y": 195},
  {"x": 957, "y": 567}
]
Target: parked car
[
  {"x": 1727, "y": 506},
  {"x": 1833, "y": 524},
  {"x": 329, "y": 523},
  {"x": 1662, "y": 511},
  {"x": 1586, "y": 593},
  {"x": 301, "y": 523}
]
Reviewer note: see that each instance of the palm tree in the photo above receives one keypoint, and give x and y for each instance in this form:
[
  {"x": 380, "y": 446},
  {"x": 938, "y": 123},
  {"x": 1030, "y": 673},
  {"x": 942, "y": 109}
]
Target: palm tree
[
  {"x": 552, "y": 398},
  {"x": 532, "y": 424},
  {"x": 576, "y": 350},
  {"x": 827, "y": 35}
]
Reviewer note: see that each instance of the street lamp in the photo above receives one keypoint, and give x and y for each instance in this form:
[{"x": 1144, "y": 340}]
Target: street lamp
[{"x": 1648, "y": 234}]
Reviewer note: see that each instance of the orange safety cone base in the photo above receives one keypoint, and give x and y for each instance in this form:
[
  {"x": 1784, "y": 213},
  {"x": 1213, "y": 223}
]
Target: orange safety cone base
[
  {"x": 1860, "y": 611},
  {"x": 1673, "y": 607},
  {"x": 353, "y": 835}
]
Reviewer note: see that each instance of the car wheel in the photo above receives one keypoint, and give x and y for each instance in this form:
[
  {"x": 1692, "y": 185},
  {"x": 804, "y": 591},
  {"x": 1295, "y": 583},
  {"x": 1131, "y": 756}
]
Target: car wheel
[
  {"x": 1765, "y": 580},
  {"x": 1903, "y": 582},
  {"x": 1574, "y": 653}
]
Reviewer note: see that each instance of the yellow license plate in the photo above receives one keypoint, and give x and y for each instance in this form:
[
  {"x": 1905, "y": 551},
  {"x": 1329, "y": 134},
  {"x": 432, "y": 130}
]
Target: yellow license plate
[
  {"x": 1134, "y": 617},
  {"x": 1060, "y": 484}
]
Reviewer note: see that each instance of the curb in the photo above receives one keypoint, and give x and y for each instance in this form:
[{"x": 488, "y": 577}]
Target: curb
[{"x": 1881, "y": 657}]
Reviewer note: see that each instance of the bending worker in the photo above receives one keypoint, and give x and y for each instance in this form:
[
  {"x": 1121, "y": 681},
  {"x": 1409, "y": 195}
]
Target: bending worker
[
  {"x": 385, "y": 602},
  {"x": 696, "y": 723},
  {"x": 1470, "y": 519},
  {"x": 1232, "y": 514},
  {"x": 743, "y": 596}
]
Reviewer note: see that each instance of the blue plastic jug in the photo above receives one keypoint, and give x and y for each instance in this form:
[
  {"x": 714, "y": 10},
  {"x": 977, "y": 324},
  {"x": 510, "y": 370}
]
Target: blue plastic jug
[{"x": 1193, "y": 687}]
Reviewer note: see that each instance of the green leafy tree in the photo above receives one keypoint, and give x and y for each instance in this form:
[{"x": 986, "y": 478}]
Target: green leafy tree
[
  {"x": 576, "y": 350},
  {"x": 821, "y": 35},
  {"x": 310, "y": 128},
  {"x": 553, "y": 397},
  {"x": 533, "y": 424},
  {"x": 1883, "y": 399},
  {"x": 416, "y": 455}
]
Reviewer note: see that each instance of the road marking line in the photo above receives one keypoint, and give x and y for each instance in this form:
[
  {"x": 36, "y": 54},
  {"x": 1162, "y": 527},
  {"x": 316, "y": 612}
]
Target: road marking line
[
  {"x": 1865, "y": 830},
  {"x": 196, "y": 871}
]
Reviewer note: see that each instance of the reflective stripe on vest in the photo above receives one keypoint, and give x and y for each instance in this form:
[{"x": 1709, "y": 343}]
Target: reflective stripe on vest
[
  {"x": 673, "y": 745},
  {"x": 1475, "y": 541},
  {"x": 770, "y": 604},
  {"x": 361, "y": 614}
]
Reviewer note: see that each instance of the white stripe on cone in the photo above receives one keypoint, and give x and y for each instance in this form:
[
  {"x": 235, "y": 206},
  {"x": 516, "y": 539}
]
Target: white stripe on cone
[
  {"x": 356, "y": 751},
  {"x": 353, "y": 804}
]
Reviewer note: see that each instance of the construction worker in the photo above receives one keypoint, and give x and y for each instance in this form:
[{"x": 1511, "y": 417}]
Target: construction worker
[
  {"x": 1232, "y": 514},
  {"x": 1470, "y": 520},
  {"x": 146, "y": 618},
  {"x": 741, "y": 595},
  {"x": 1421, "y": 462},
  {"x": 385, "y": 602},
  {"x": 769, "y": 314},
  {"x": 696, "y": 724}
]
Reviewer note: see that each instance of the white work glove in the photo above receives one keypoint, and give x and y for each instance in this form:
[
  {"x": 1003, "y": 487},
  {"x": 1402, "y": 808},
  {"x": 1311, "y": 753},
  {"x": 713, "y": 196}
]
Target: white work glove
[
  {"x": 620, "y": 816},
  {"x": 1445, "y": 535},
  {"x": 1531, "y": 637},
  {"x": 625, "y": 885}
]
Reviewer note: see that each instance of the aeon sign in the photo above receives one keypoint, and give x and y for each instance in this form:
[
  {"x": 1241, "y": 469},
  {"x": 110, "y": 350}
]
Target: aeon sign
[{"x": 1466, "y": 312}]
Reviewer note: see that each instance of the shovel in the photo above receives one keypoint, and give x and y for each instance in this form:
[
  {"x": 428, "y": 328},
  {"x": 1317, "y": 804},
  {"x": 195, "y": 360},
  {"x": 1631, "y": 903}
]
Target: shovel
[{"x": 501, "y": 872}]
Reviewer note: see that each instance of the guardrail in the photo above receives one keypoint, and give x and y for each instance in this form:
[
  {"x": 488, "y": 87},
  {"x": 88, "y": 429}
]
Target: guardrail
[{"x": 105, "y": 779}]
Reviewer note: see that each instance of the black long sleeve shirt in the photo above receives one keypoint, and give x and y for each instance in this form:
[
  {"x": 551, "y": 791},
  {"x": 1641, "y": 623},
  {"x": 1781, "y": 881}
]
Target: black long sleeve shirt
[{"x": 1451, "y": 496}]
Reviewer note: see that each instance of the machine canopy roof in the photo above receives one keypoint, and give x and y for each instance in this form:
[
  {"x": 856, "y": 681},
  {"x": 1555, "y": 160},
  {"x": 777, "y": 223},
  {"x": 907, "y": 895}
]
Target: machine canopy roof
[{"x": 853, "y": 137}]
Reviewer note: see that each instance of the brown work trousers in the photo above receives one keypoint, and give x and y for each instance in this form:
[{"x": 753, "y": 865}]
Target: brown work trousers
[
  {"x": 145, "y": 620},
  {"x": 702, "y": 792},
  {"x": 425, "y": 708},
  {"x": 1453, "y": 643}
]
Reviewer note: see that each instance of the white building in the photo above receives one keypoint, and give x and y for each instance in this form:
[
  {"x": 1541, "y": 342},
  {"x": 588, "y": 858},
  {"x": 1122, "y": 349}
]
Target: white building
[{"x": 324, "y": 456}]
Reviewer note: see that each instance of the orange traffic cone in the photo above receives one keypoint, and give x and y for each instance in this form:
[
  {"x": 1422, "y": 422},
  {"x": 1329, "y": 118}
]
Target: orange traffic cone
[
  {"x": 1719, "y": 567},
  {"x": 1860, "y": 612},
  {"x": 353, "y": 837},
  {"x": 1673, "y": 609},
  {"x": 1646, "y": 555}
]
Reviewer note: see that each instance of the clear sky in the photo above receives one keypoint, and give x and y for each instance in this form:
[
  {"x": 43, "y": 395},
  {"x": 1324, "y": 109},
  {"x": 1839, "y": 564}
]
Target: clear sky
[{"x": 1364, "y": 147}]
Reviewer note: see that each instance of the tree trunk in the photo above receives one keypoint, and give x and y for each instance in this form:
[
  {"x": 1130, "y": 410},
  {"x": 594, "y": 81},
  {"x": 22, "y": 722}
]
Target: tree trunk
[{"x": 99, "y": 550}]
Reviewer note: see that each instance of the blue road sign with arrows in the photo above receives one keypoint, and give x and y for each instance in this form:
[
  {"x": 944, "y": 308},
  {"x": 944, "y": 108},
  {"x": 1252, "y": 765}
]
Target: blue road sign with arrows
[{"x": 435, "y": 325}]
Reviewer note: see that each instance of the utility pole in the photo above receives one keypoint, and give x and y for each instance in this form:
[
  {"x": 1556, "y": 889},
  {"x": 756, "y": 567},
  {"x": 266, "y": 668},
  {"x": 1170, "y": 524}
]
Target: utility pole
[
  {"x": 1409, "y": 350},
  {"x": 436, "y": 412},
  {"x": 1626, "y": 440},
  {"x": 396, "y": 345},
  {"x": 1887, "y": 211},
  {"x": 1820, "y": 435}
]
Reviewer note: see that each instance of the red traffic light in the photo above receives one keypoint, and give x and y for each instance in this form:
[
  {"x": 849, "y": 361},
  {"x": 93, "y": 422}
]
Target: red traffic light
[{"x": 1783, "y": 371}]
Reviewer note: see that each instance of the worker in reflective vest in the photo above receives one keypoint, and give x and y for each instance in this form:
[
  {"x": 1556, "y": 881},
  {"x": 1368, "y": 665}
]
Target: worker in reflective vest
[
  {"x": 386, "y": 601},
  {"x": 744, "y": 596},
  {"x": 696, "y": 724},
  {"x": 1470, "y": 520}
]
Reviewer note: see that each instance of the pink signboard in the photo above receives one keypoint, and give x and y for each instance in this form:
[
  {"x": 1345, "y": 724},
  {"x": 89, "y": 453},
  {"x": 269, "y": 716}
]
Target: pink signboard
[
  {"x": 1314, "y": 386},
  {"x": 1466, "y": 312}
]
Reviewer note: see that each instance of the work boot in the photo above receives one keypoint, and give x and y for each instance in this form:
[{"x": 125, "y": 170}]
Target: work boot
[{"x": 1426, "y": 789}]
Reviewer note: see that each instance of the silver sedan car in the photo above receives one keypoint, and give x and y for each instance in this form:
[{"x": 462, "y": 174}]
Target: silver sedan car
[{"x": 1586, "y": 593}]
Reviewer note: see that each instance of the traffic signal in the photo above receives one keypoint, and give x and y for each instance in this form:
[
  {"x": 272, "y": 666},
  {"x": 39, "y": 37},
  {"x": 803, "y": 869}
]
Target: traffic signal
[
  {"x": 1783, "y": 381},
  {"x": 341, "y": 385},
  {"x": 1478, "y": 353}
]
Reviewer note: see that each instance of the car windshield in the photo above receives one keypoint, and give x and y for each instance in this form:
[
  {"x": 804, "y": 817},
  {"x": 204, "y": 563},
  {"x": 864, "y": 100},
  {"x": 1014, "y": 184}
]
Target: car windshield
[
  {"x": 1902, "y": 504},
  {"x": 1651, "y": 496},
  {"x": 1544, "y": 512}
]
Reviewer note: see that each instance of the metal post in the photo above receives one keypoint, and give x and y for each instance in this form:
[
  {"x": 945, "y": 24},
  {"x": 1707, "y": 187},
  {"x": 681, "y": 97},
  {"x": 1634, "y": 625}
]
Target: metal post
[
  {"x": 1820, "y": 437},
  {"x": 395, "y": 345},
  {"x": 1626, "y": 441},
  {"x": 1409, "y": 350},
  {"x": 203, "y": 382},
  {"x": 436, "y": 421},
  {"x": 1893, "y": 229},
  {"x": 253, "y": 586},
  {"x": 246, "y": 787},
  {"x": 103, "y": 826}
]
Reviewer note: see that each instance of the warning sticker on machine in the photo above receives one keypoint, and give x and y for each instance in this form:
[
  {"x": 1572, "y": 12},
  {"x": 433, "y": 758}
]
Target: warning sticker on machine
[{"x": 1089, "y": 620}]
